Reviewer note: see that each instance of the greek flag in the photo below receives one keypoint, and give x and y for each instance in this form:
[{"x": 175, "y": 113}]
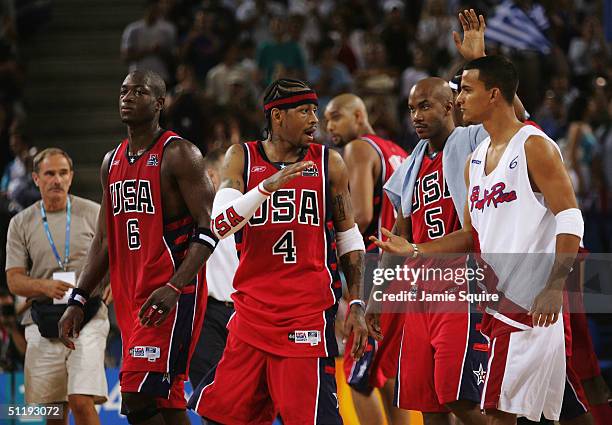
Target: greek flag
[{"x": 516, "y": 28}]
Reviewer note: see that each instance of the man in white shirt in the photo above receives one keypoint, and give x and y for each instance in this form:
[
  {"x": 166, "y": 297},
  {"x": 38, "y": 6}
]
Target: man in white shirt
[{"x": 150, "y": 43}]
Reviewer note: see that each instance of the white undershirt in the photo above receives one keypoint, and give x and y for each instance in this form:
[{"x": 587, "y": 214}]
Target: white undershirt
[{"x": 221, "y": 268}]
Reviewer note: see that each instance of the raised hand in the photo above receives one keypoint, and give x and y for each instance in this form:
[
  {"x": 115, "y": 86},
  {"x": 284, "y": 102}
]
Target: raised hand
[
  {"x": 284, "y": 176},
  {"x": 394, "y": 245},
  {"x": 473, "y": 44}
]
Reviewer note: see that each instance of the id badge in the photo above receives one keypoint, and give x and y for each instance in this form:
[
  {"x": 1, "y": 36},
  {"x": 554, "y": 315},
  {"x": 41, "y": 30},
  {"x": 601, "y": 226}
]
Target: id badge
[{"x": 68, "y": 277}]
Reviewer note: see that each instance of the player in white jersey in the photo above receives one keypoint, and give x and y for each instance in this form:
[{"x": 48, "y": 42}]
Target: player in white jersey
[{"x": 520, "y": 204}]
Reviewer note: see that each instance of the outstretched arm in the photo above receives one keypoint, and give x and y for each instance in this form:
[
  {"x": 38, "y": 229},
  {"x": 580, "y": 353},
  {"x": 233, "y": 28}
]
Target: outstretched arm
[
  {"x": 458, "y": 241},
  {"x": 233, "y": 208},
  {"x": 351, "y": 253}
]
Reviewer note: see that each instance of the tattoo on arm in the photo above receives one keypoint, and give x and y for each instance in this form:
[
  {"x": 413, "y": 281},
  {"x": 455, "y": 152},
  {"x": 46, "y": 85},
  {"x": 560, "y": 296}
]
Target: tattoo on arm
[
  {"x": 352, "y": 266},
  {"x": 341, "y": 205}
]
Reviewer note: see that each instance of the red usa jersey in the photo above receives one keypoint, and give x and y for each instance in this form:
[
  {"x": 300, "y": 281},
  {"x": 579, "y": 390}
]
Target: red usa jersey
[
  {"x": 144, "y": 250},
  {"x": 391, "y": 157},
  {"x": 287, "y": 286},
  {"x": 433, "y": 216},
  {"x": 433, "y": 211}
]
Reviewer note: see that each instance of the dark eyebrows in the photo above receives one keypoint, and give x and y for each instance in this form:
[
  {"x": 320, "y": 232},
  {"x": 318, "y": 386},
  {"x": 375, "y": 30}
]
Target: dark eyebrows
[{"x": 423, "y": 102}]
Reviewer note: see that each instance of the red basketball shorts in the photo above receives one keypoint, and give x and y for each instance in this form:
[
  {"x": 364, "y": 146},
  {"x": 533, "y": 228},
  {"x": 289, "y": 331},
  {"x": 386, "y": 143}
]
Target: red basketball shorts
[
  {"x": 252, "y": 387},
  {"x": 443, "y": 357}
]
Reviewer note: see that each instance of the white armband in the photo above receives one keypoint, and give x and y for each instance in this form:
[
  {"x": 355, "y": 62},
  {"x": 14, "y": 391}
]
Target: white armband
[
  {"x": 232, "y": 210},
  {"x": 349, "y": 240},
  {"x": 570, "y": 222}
]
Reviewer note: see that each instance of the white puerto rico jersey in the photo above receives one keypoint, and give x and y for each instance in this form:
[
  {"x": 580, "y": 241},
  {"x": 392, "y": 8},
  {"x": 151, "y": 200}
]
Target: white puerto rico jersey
[{"x": 512, "y": 220}]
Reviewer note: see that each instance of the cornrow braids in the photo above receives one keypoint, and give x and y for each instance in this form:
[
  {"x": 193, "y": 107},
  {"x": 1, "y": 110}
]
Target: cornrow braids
[{"x": 279, "y": 89}]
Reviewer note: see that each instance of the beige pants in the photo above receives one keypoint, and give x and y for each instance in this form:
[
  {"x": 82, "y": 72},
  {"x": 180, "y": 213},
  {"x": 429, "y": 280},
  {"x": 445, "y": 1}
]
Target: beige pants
[{"x": 52, "y": 371}]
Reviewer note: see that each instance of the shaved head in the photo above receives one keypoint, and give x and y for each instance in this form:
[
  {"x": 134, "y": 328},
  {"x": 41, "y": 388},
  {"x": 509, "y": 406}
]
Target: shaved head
[
  {"x": 347, "y": 102},
  {"x": 433, "y": 88},
  {"x": 431, "y": 108},
  {"x": 347, "y": 118},
  {"x": 151, "y": 79}
]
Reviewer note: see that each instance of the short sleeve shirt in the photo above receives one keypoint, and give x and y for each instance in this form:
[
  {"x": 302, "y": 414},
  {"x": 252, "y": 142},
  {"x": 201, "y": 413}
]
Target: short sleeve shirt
[{"x": 27, "y": 245}]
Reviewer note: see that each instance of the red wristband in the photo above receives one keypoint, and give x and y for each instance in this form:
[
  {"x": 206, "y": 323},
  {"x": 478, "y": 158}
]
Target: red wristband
[{"x": 174, "y": 288}]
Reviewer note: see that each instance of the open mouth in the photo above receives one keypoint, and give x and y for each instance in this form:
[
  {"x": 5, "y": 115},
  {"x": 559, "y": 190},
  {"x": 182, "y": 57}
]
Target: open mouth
[{"x": 310, "y": 133}]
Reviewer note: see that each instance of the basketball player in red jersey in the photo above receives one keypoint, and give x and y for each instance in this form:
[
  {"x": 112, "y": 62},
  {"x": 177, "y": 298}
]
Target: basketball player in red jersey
[
  {"x": 288, "y": 200},
  {"x": 153, "y": 233},
  {"x": 370, "y": 160}
]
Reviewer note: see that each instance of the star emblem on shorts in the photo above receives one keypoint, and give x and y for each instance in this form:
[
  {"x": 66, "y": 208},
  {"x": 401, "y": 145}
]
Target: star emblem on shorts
[{"x": 480, "y": 374}]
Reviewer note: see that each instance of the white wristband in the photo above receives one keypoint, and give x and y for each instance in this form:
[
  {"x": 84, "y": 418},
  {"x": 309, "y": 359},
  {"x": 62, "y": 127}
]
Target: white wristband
[
  {"x": 570, "y": 222},
  {"x": 349, "y": 240}
]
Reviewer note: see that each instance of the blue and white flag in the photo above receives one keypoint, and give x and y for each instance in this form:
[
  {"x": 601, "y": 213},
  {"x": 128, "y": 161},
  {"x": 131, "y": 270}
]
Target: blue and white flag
[{"x": 518, "y": 29}]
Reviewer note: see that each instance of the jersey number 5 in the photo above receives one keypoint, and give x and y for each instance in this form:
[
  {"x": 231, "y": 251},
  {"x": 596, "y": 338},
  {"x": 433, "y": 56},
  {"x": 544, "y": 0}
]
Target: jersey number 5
[
  {"x": 285, "y": 246},
  {"x": 133, "y": 234}
]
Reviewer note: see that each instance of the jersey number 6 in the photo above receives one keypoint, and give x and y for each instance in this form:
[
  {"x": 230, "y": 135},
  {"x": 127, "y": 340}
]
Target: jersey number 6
[{"x": 133, "y": 234}]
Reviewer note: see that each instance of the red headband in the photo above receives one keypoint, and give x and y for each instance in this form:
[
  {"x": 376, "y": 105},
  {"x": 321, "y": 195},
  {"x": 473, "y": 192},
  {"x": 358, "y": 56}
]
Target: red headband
[{"x": 292, "y": 101}]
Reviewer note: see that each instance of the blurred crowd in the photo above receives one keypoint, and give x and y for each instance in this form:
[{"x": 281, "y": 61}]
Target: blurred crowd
[
  {"x": 19, "y": 21},
  {"x": 217, "y": 56}
]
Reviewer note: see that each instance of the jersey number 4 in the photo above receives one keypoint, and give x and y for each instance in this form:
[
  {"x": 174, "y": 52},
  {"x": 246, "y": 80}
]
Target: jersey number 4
[{"x": 285, "y": 246}]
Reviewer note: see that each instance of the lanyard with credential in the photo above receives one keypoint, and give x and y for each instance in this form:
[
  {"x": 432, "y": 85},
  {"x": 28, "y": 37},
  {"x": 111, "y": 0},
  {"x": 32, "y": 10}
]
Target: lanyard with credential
[{"x": 61, "y": 263}]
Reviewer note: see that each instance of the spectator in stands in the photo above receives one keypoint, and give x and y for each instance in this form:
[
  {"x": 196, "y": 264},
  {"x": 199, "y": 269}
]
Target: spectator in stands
[
  {"x": 243, "y": 108},
  {"x": 150, "y": 43},
  {"x": 585, "y": 48},
  {"x": 552, "y": 115},
  {"x": 218, "y": 78},
  {"x": 60, "y": 223},
  {"x": 8, "y": 23},
  {"x": 340, "y": 32},
  {"x": 185, "y": 109},
  {"x": 224, "y": 131},
  {"x": 328, "y": 76},
  {"x": 416, "y": 72},
  {"x": 254, "y": 17},
  {"x": 17, "y": 189},
  {"x": 12, "y": 340},
  {"x": 376, "y": 76},
  {"x": 581, "y": 145},
  {"x": 202, "y": 47},
  {"x": 435, "y": 31},
  {"x": 396, "y": 35},
  {"x": 279, "y": 57},
  {"x": 16, "y": 168}
]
